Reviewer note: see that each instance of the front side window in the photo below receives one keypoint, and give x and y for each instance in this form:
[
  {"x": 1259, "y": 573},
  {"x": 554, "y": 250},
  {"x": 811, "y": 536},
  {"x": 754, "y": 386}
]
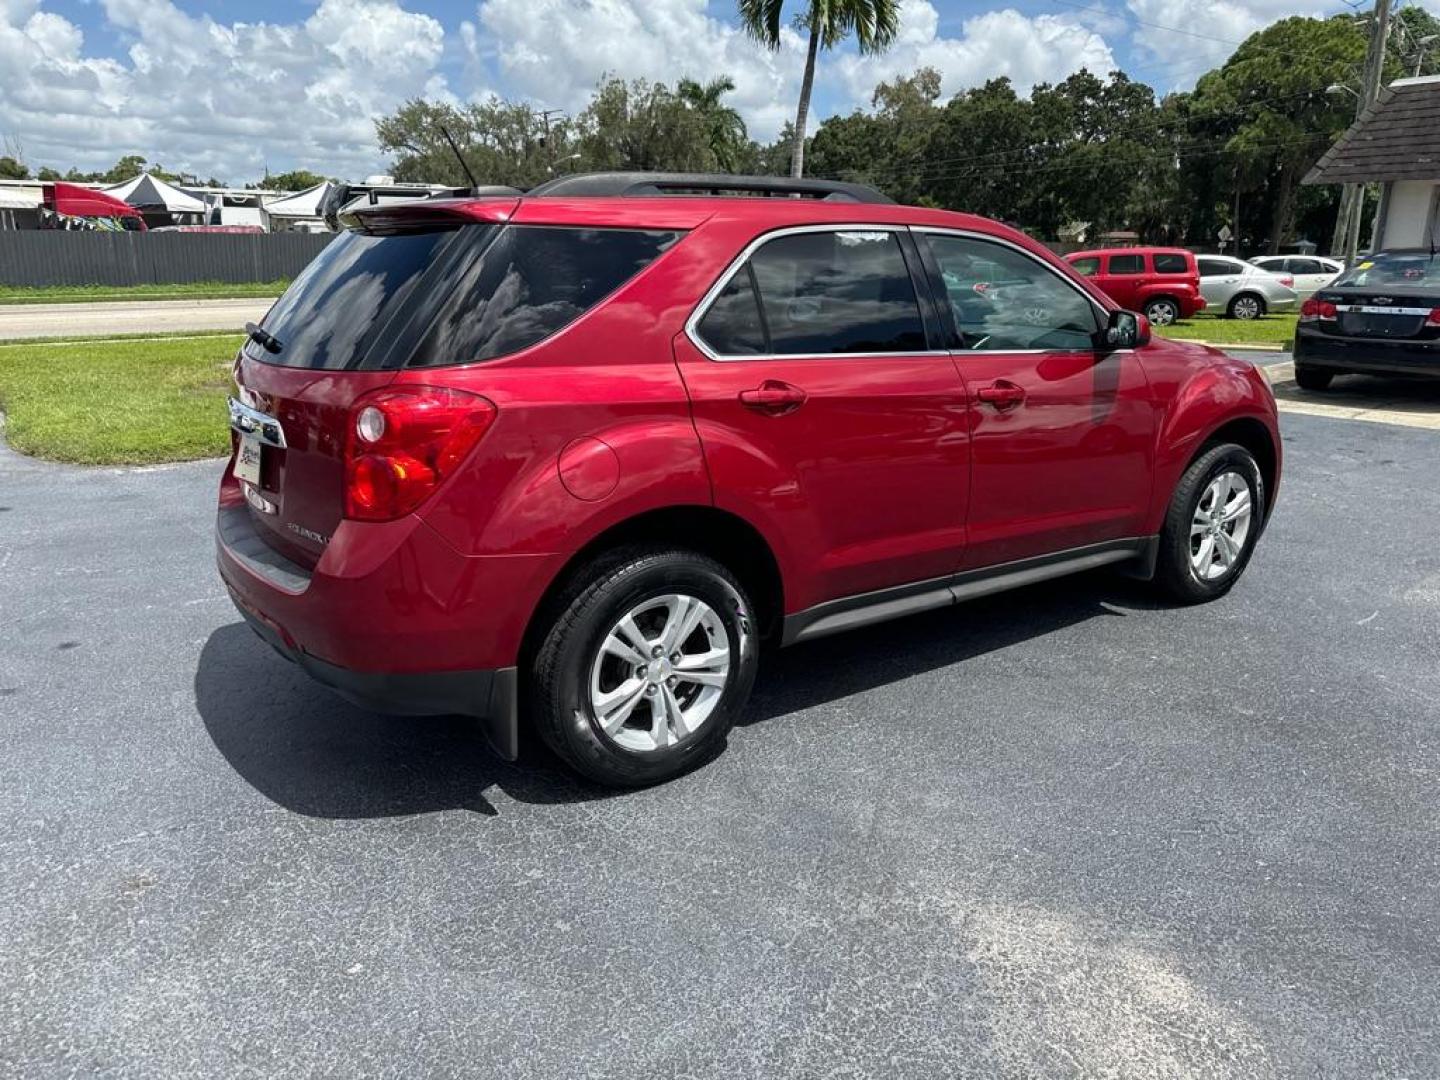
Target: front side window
[
  {"x": 819, "y": 294},
  {"x": 1171, "y": 262},
  {"x": 1304, "y": 266},
  {"x": 1127, "y": 264},
  {"x": 1216, "y": 267},
  {"x": 1004, "y": 300},
  {"x": 530, "y": 282},
  {"x": 1089, "y": 265}
]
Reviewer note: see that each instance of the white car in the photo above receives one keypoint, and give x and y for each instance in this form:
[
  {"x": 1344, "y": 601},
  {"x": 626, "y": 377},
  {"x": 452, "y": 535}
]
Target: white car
[
  {"x": 1242, "y": 291},
  {"x": 1311, "y": 273}
]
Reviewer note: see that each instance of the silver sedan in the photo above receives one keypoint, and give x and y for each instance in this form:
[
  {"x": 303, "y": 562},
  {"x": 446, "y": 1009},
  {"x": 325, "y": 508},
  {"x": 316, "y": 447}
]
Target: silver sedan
[{"x": 1242, "y": 291}]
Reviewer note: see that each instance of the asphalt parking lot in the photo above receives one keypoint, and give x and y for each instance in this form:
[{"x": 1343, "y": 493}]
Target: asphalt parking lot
[{"x": 1065, "y": 832}]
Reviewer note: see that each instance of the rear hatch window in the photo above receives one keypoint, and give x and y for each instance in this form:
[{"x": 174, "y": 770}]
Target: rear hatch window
[{"x": 333, "y": 312}]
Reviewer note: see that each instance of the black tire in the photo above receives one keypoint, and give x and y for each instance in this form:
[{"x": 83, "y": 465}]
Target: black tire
[
  {"x": 1162, "y": 311},
  {"x": 1237, "y": 310},
  {"x": 1174, "y": 571},
  {"x": 1312, "y": 378},
  {"x": 558, "y": 696}
]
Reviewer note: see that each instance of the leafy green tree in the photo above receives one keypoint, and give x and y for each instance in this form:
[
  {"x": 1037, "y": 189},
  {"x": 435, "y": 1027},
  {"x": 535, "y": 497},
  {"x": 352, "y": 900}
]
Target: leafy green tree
[
  {"x": 826, "y": 22},
  {"x": 724, "y": 128},
  {"x": 887, "y": 146},
  {"x": 294, "y": 180},
  {"x": 502, "y": 142},
  {"x": 48, "y": 174},
  {"x": 1270, "y": 99},
  {"x": 10, "y": 169},
  {"x": 645, "y": 126}
]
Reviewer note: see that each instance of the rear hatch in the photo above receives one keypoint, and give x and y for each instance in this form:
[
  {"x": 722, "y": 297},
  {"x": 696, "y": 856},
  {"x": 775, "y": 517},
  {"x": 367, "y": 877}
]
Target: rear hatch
[{"x": 341, "y": 330}]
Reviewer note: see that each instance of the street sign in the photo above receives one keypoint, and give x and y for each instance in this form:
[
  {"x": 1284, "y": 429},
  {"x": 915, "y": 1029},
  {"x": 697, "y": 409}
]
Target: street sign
[{"x": 1224, "y": 234}]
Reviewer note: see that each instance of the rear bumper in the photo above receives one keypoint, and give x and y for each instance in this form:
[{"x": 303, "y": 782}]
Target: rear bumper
[
  {"x": 392, "y": 617},
  {"x": 1375, "y": 356},
  {"x": 1285, "y": 303}
]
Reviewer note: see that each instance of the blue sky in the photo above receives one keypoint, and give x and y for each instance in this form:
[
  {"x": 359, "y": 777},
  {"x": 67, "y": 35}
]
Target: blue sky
[{"x": 230, "y": 87}]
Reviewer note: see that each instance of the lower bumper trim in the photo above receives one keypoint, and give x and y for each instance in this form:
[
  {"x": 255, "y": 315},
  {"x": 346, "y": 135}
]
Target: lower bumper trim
[{"x": 491, "y": 696}]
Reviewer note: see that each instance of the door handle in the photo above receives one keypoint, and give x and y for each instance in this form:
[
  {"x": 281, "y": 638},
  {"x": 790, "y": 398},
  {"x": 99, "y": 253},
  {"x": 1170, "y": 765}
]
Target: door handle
[
  {"x": 773, "y": 397},
  {"x": 1003, "y": 395}
]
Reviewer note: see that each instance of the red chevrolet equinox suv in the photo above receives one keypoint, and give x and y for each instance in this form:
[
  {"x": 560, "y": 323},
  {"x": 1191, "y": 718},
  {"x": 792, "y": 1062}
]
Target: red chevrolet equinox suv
[{"x": 567, "y": 460}]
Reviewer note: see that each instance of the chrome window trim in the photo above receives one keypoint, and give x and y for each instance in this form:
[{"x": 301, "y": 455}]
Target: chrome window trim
[
  {"x": 1102, "y": 314},
  {"x": 702, "y": 308}
]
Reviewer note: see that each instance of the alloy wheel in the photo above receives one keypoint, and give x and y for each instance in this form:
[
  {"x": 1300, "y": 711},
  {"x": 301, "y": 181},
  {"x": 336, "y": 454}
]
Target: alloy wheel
[
  {"x": 1162, "y": 313},
  {"x": 659, "y": 672},
  {"x": 1246, "y": 307},
  {"x": 1220, "y": 525}
]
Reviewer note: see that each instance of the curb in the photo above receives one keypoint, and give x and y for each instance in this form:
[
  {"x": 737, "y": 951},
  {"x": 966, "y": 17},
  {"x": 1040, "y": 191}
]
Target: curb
[{"x": 1232, "y": 346}]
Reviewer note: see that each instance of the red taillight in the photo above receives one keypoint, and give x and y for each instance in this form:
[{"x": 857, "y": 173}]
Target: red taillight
[
  {"x": 1433, "y": 319},
  {"x": 1287, "y": 280},
  {"x": 403, "y": 442},
  {"x": 1314, "y": 309}
]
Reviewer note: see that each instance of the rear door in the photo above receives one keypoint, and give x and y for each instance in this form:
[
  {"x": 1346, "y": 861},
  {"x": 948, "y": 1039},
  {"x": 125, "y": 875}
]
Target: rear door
[
  {"x": 1061, "y": 433},
  {"x": 1124, "y": 279},
  {"x": 1310, "y": 275},
  {"x": 823, "y": 408}
]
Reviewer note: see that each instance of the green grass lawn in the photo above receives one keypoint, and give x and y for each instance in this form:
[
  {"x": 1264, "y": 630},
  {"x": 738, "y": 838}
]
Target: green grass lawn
[
  {"x": 1269, "y": 330},
  {"x": 118, "y": 403},
  {"x": 84, "y": 294}
]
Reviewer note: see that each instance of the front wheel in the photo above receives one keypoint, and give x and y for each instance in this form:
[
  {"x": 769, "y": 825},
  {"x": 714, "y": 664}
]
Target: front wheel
[
  {"x": 649, "y": 661},
  {"x": 1309, "y": 378},
  {"x": 1247, "y": 306},
  {"x": 1162, "y": 311},
  {"x": 1212, "y": 525}
]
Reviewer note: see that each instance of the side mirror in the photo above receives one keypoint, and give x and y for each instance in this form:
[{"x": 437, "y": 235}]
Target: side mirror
[{"x": 1125, "y": 330}]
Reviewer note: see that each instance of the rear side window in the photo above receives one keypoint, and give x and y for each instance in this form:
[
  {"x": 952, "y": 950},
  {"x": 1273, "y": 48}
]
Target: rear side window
[
  {"x": 529, "y": 282},
  {"x": 334, "y": 309},
  {"x": 1171, "y": 263},
  {"x": 837, "y": 292},
  {"x": 1127, "y": 264},
  {"x": 1087, "y": 266}
]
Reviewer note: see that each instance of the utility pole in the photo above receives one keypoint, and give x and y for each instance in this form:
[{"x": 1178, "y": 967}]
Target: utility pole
[
  {"x": 1369, "y": 91},
  {"x": 545, "y": 119}
]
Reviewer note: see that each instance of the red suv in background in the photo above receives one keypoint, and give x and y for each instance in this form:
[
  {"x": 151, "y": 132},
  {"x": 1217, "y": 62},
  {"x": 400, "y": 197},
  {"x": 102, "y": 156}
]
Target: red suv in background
[
  {"x": 1164, "y": 283},
  {"x": 568, "y": 459}
]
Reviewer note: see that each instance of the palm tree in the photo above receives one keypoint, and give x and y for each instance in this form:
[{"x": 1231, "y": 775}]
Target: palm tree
[
  {"x": 723, "y": 127},
  {"x": 875, "y": 23}
]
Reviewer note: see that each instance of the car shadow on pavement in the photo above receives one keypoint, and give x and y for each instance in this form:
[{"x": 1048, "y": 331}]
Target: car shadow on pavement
[
  {"x": 311, "y": 752},
  {"x": 835, "y": 667}
]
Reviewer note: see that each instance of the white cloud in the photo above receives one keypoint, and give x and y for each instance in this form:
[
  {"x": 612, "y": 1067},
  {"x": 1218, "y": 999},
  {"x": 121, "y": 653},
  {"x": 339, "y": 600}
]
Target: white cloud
[
  {"x": 1029, "y": 49},
  {"x": 1186, "y": 38},
  {"x": 209, "y": 97},
  {"x": 556, "y": 51}
]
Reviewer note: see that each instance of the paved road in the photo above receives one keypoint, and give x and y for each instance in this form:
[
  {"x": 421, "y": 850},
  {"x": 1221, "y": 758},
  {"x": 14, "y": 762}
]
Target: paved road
[
  {"x": 1061, "y": 833},
  {"x": 127, "y": 317}
]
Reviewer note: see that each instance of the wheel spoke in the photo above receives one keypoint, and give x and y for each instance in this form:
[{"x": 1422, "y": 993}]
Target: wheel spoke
[
  {"x": 684, "y": 615},
  {"x": 1230, "y": 547},
  {"x": 613, "y": 707},
  {"x": 1239, "y": 508},
  {"x": 675, "y": 715},
  {"x": 633, "y": 635},
  {"x": 1203, "y": 556},
  {"x": 615, "y": 647},
  {"x": 659, "y": 721}
]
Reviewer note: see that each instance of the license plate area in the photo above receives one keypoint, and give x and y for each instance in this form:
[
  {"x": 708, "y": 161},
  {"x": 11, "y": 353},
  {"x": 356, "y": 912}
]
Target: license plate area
[{"x": 249, "y": 458}]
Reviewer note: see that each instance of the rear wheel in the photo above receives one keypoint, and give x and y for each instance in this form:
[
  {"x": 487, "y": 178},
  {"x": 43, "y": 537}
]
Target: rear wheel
[
  {"x": 1212, "y": 525},
  {"x": 1311, "y": 378},
  {"x": 649, "y": 661},
  {"x": 1162, "y": 311},
  {"x": 1246, "y": 306}
]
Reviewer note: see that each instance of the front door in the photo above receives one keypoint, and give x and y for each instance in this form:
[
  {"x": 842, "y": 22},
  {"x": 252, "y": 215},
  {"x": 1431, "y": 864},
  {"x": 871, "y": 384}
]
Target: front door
[
  {"x": 825, "y": 414},
  {"x": 1061, "y": 433}
]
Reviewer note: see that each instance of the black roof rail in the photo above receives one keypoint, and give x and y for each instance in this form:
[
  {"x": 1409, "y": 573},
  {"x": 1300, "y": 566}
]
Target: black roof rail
[{"x": 640, "y": 184}]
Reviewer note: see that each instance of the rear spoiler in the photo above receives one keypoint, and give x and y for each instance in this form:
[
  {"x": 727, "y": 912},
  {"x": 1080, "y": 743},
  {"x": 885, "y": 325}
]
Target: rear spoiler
[{"x": 344, "y": 201}]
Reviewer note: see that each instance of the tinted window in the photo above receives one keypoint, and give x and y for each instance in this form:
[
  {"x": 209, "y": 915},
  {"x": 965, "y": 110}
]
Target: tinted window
[
  {"x": 1087, "y": 266},
  {"x": 332, "y": 311},
  {"x": 1304, "y": 266},
  {"x": 528, "y": 283},
  {"x": 1216, "y": 267},
  {"x": 1127, "y": 264},
  {"x": 837, "y": 292},
  {"x": 1002, "y": 299},
  {"x": 1272, "y": 265},
  {"x": 1170, "y": 263},
  {"x": 1401, "y": 269},
  {"x": 732, "y": 326}
]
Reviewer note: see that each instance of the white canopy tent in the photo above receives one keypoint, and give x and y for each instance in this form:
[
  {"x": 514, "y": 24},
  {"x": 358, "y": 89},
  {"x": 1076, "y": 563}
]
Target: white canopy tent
[
  {"x": 300, "y": 211},
  {"x": 152, "y": 195}
]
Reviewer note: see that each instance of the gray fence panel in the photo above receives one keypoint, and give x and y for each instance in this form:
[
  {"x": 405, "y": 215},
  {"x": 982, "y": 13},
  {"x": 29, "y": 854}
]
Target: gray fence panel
[{"x": 46, "y": 257}]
